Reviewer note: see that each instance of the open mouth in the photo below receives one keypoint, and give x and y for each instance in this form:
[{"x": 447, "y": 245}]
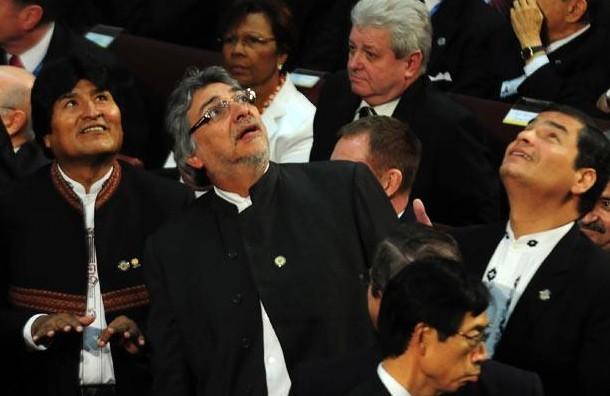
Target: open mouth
[
  {"x": 248, "y": 132},
  {"x": 94, "y": 129},
  {"x": 517, "y": 153}
]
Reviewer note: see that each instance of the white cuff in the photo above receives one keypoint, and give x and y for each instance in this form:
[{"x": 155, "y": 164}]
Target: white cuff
[
  {"x": 27, "y": 334},
  {"x": 536, "y": 63}
]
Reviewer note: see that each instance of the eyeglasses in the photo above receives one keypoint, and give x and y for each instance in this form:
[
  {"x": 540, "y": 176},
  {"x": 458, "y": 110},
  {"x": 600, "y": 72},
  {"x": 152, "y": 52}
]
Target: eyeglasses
[
  {"x": 222, "y": 106},
  {"x": 475, "y": 340},
  {"x": 249, "y": 40}
]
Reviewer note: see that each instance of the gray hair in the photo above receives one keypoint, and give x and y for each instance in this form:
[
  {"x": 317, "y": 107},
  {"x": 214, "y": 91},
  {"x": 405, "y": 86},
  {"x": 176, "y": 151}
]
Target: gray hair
[
  {"x": 178, "y": 105},
  {"x": 407, "y": 21}
]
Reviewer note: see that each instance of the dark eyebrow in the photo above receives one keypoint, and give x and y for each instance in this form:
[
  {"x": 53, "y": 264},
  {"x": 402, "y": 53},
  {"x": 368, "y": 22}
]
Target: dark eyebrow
[
  {"x": 67, "y": 95},
  {"x": 556, "y": 125}
]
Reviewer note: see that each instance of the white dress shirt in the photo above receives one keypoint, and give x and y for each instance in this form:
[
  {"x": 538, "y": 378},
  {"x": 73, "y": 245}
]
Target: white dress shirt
[
  {"x": 95, "y": 365},
  {"x": 393, "y": 386},
  {"x": 276, "y": 372},
  {"x": 385, "y": 109},
  {"x": 511, "y": 268},
  {"x": 33, "y": 57}
]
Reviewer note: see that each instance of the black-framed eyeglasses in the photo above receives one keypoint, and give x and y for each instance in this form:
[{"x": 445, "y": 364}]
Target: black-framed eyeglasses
[
  {"x": 219, "y": 108},
  {"x": 475, "y": 340},
  {"x": 249, "y": 40}
]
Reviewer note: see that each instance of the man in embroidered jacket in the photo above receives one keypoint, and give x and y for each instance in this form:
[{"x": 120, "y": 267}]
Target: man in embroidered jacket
[{"x": 73, "y": 298}]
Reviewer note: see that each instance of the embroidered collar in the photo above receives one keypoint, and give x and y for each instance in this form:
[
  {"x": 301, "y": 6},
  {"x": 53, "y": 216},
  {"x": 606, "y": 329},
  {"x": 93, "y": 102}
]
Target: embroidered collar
[{"x": 65, "y": 190}]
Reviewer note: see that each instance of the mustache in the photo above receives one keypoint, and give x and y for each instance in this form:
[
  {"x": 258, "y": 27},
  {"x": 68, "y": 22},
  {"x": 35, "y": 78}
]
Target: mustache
[{"x": 595, "y": 226}]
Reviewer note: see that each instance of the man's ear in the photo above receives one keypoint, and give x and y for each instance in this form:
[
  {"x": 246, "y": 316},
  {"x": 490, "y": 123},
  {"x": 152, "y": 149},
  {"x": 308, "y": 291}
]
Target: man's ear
[
  {"x": 391, "y": 181},
  {"x": 419, "y": 338},
  {"x": 413, "y": 63},
  {"x": 584, "y": 179},
  {"x": 30, "y": 16},
  {"x": 195, "y": 162},
  {"x": 14, "y": 121},
  {"x": 576, "y": 10}
]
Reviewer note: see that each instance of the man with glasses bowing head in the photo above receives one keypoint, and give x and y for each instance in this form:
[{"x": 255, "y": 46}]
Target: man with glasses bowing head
[
  {"x": 268, "y": 268},
  {"x": 431, "y": 326}
]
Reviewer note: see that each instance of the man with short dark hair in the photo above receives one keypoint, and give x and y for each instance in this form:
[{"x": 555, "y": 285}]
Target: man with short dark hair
[
  {"x": 73, "y": 295},
  {"x": 550, "y": 285},
  {"x": 389, "y": 47},
  {"x": 432, "y": 329},
  {"x": 390, "y": 150}
]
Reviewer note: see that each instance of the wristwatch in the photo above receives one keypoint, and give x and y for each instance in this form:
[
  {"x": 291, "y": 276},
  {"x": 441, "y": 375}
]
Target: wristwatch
[{"x": 528, "y": 52}]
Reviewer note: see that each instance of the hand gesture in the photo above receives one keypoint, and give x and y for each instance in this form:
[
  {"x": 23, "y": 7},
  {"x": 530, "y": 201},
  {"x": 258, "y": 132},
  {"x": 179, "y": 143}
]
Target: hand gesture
[
  {"x": 526, "y": 19},
  {"x": 420, "y": 213},
  {"x": 125, "y": 331},
  {"x": 46, "y": 327}
]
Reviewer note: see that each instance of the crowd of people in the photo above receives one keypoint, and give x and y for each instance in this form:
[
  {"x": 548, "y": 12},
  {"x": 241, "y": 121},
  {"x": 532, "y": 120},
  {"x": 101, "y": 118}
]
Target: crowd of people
[{"x": 365, "y": 244}]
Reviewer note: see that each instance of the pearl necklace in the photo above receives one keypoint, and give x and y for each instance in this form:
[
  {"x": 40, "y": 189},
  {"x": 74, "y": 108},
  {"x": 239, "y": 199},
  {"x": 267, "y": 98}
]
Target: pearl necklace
[{"x": 272, "y": 96}]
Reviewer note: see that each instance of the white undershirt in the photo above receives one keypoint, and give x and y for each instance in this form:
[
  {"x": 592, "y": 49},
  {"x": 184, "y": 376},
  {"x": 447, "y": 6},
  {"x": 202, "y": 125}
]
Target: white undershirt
[
  {"x": 385, "y": 109},
  {"x": 276, "y": 372},
  {"x": 95, "y": 365},
  {"x": 33, "y": 57},
  {"x": 393, "y": 386},
  {"x": 511, "y": 268}
]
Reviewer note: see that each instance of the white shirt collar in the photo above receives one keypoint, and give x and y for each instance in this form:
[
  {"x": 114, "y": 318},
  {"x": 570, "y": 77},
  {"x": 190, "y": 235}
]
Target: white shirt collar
[
  {"x": 390, "y": 383},
  {"x": 554, "y": 46},
  {"x": 33, "y": 57},
  {"x": 79, "y": 189},
  {"x": 242, "y": 203},
  {"x": 547, "y": 237},
  {"x": 385, "y": 109}
]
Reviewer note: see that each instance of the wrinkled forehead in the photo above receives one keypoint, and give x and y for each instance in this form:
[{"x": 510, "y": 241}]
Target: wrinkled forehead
[{"x": 558, "y": 120}]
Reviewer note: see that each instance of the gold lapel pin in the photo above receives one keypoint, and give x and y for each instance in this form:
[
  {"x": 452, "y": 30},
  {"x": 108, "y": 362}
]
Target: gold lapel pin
[
  {"x": 544, "y": 295},
  {"x": 123, "y": 265}
]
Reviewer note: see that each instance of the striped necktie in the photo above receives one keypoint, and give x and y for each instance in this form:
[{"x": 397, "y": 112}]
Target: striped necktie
[{"x": 366, "y": 112}]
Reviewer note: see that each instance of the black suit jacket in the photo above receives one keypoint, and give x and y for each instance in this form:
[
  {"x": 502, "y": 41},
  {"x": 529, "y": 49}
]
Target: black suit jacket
[
  {"x": 455, "y": 177},
  {"x": 65, "y": 42},
  {"x": 478, "y": 54},
  {"x": 336, "y": 377},
  {"x": 212, "y": 267},
  {"x": 565, "y": 338},
  {"x": 576, "y": 75},
  {"x": 371, "y": 387}
]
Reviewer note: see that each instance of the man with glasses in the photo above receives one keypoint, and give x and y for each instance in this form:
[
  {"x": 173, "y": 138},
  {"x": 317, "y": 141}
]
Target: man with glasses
[
  {"x": 269, "y": 267},
  {"x": 432, "y": 329}
]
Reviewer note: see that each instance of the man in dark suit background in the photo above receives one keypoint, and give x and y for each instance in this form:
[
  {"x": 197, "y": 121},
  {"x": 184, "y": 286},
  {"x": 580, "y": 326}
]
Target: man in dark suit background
[
  {"x": 550, "y": 284},
  {"x": 473, "y": 47},
  {"x": 32, "y": 35},
  {"x": 564, "y": 51},
  {"x": 390, "y": 150},
  {"x": 21, "y": 155},
  {"x": 386, "y": 70}
]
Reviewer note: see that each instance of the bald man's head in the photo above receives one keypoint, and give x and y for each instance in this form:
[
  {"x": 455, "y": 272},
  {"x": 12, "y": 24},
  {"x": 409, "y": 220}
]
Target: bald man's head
[{"x": 15, "y": 109}]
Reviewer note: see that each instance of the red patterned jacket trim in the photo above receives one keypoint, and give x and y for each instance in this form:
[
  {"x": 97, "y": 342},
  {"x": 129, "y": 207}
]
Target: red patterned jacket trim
[
  {"x": 70, "y": 196},
  {"x": 51, "y": 302}
]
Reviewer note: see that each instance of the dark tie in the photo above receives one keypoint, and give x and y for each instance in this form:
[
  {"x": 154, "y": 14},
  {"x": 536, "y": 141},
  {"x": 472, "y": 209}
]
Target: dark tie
[
  {"x": 16, "y": 61},
  {"x": 366, "y": 112}
]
